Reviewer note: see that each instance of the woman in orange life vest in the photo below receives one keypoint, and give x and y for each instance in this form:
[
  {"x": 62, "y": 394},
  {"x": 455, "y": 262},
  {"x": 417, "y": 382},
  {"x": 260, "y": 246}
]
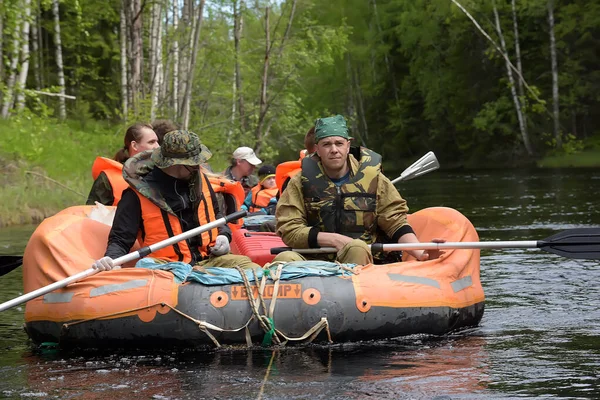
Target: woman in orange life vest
[
  {"x": 108, "y": 180},
  {"x": 262, "y": 197}
]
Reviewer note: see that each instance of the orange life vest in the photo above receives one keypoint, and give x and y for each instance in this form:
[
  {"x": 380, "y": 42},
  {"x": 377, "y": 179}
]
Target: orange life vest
[
  {"x": 160, "y": 225},
  {"x": 233, "y": 194},
  {"x": 261, "y": 197},
  {"x": 114, "y": 172}
]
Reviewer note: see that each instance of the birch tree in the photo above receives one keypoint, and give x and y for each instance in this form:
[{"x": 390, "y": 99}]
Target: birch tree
[
  {"x": 7, "y": 101},
  {"x": 35, "y": 50},
  {"x": 191, "y": 67},
  {"x": 511, "y": 80},
  {"x": 155, "y": 57},
  {"x": 24, "y": 56},
  {"x": 263, "y": 105},
  {"x": 238, "y": 95},
  {"x": 554, "y": 64},
  {"x": 2, "y": 12},
  {"x": 175, "y": 96},
  {"x": 62, "y": 111},
  {"x": 124, "y": 64},
  {"x": 136, "y": 54}
]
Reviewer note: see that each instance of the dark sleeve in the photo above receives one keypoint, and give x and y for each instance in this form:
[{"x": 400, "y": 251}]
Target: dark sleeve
[
  {"x": 101, "y": 191},
  {"x": 223, "y": 229},
  {"x": 126, "y": 225},
  {"x": 403, "y": 230}
]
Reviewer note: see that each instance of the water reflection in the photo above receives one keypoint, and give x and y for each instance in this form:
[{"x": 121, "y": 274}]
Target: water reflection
[{"x": 414, "y": 367}]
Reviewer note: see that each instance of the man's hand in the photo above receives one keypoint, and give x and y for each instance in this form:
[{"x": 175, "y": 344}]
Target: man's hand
[
  {"x": 328, "y": 239},
  {"x": 221, "y": 246},
  {"x": 104, "y": 264},
  {"x": 431, "y": 254}
]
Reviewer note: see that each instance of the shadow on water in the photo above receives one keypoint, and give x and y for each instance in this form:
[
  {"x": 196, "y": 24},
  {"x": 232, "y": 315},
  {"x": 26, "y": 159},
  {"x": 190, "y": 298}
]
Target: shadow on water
[{"x": 539, "y": 336}]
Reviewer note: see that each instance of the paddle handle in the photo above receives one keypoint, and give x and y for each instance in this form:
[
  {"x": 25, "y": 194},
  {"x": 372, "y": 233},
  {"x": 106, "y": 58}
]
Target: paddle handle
[
  {"x": 122, "y": 260},
  {"x": 526, "y": 244}
]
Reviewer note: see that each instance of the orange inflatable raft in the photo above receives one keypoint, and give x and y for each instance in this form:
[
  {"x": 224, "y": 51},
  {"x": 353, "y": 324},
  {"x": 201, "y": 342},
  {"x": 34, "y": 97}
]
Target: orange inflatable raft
[{"x": 138, "y": 307}]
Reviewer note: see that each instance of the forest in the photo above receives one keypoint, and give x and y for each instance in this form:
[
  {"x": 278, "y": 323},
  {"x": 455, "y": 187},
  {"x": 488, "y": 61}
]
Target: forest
[{"x": 480, "y": 82}]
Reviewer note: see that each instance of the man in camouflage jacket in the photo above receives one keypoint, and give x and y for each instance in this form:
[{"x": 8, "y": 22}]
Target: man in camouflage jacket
[{"x": 339, "y": 201}]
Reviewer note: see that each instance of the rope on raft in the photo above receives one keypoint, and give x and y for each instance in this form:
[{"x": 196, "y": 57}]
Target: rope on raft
[{"x": 266, "y": 322}]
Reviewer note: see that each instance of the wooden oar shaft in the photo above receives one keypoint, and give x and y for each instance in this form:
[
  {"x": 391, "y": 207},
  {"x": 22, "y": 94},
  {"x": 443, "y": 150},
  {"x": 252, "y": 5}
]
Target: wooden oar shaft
[{"x": 122, "y": 260}]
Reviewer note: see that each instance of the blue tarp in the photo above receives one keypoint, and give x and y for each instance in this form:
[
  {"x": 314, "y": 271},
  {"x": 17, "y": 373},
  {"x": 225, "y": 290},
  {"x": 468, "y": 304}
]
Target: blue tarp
[{"x": 226, "y": 276}]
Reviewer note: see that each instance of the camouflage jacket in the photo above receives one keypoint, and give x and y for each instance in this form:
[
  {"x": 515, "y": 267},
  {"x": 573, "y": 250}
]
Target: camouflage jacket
[
  {"x": 292, "y": 217},
  {"x": 135, "y": 170},
  {"x": 348, "y": 209}
]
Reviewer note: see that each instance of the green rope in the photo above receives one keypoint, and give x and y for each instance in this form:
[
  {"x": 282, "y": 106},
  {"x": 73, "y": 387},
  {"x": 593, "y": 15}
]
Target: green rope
[{"x": 268, "y": 338}]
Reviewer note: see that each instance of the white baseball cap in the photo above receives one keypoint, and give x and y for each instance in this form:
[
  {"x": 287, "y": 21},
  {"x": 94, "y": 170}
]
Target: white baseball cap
[{"x": 246, "y": 153}]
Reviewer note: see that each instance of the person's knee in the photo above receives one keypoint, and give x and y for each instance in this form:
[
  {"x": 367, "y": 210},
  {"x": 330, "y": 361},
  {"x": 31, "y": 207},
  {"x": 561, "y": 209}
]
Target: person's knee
[
  {"x": 356, "y": 252},
  {"x": 288, "y": 256}
]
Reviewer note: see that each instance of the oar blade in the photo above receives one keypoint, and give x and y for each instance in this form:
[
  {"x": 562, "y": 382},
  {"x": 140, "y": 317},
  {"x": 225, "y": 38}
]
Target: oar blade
[
  {"x": 423, "y": 165},
  {"x": 579, "y": 243},
  {"x": 8, "y": 263}
]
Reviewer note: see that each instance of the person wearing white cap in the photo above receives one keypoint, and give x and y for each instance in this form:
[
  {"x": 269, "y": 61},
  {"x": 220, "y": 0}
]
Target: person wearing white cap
[{"x": 243, "y": 164}]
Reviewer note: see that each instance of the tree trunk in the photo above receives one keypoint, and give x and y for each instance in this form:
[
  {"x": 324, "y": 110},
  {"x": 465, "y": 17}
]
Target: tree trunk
[
  {"x": 175, "y": 98},
  {"x": 62, "y": 110},
  {"x": 35, "y": 50},
  {"x": 187, "y": 27},
  {"x": 555, "y": 109},
  {"x": 155, "y": 57},
  {"x": 519, "y": 65},
  {"x": 385, "y": 55},
  {"x": 1, "y": 43},
  {"x": 263, "y": 106},
  {"x": 288, "y": 28},
  {"x": 238, "y": 95},
  {"x": 350, "y": 99},
  {"x": 24, "y": 56},
  {"x": 7, "y": 101},
  {"x": 361, "y": 108},
  {"x": 192, "y": 66},
  {"x": 124, "y": 63},
  {"x": 136, "y": 54},
  {"x": 522, "y": 127}
]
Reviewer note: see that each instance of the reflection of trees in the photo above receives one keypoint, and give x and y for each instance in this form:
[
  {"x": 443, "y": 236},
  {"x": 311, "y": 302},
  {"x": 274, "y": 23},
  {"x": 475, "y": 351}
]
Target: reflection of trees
[{"x": 413, "y": 367}]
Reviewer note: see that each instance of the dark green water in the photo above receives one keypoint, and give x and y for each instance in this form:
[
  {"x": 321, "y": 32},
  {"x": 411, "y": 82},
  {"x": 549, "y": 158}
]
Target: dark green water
[{"x": 539, "y": 337}]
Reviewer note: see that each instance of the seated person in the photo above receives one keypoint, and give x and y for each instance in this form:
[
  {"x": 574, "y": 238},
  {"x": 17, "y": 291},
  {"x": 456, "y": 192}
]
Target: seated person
[
  {"x": 243, "y": 163},
  {"x": 168, "y": 195},
  {"x": 108, "y": 180},
  {"x": 309, "y": 214},
  {"x": 262, "y": 198}
]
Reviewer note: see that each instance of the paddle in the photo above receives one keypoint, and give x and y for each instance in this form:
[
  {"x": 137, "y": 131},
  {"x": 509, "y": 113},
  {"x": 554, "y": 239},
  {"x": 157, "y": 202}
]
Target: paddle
[
  {"x": 122, "y": 260},
  {"x": 423, "y": 165},
  {"x": 581, "y": 243},
  {"x": 8, "y": 263}
]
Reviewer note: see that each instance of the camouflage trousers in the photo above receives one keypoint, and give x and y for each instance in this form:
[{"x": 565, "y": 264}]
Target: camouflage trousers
[
  {"x": 354, "y": 252},
  {"x": 227, "y": 261}
]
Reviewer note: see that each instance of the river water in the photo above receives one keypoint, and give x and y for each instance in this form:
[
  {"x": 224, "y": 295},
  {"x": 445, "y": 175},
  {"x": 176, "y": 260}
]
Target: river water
[{"x": 539, "y": 337}]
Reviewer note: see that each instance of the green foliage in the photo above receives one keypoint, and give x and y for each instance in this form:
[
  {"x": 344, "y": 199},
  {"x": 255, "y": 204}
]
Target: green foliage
[{"x": 418, "y": 72}]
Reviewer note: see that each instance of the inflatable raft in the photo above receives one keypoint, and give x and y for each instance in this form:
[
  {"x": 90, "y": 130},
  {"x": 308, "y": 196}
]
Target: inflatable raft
[{"x": 175, "y": 306}]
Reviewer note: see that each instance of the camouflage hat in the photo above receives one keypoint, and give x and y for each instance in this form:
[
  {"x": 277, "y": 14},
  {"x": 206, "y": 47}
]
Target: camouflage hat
[
  {"x": 180, "y": 148},
  {"x": 331, "y": 126}
]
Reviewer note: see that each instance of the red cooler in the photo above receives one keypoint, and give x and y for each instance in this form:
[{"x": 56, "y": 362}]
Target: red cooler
[{"x": 256, "y": 245}]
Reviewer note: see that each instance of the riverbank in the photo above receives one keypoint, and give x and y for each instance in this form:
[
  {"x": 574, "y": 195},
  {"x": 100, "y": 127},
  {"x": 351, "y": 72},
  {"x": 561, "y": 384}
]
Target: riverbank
[{"x": 45, "y": 165}]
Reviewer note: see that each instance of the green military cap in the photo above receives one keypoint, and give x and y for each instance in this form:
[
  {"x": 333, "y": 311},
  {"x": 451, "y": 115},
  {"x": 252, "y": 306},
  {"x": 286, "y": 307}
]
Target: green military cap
[
  {"x": 180, "y": 148},
  {"x": 331, "y": 126}
]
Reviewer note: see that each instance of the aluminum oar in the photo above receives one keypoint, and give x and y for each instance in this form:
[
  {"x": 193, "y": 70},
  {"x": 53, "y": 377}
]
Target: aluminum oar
[
  {"x": 580, "y": 243},
  {"x": 122, "y": 260}
]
